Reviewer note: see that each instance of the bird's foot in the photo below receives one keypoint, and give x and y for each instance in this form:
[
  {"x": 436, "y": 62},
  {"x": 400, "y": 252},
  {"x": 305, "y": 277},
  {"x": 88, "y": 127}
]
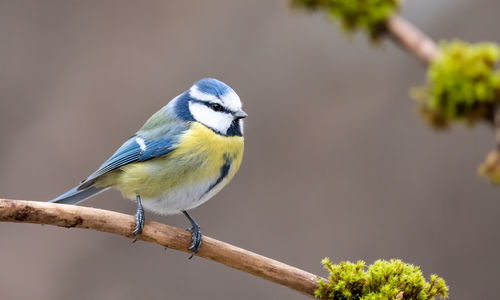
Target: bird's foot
[
  {"x": 139, "y": 225},
  {"x": 139, "y": 220},
  {"x": 196, "y": 239}
]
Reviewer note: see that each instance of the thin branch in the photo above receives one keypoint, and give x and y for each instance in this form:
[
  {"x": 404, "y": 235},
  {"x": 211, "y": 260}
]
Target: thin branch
[
  {"x": 426, "y": 50},
  {"x": 412, "y": 39},
  {"x": 167, "y": 236}
]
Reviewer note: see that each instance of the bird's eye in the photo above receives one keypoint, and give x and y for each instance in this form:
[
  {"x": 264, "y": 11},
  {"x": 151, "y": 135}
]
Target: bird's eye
[{"x": 216, "y": 107}]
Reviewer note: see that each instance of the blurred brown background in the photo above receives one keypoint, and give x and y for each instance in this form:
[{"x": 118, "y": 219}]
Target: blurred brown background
[{"x": 337, "y": 161}]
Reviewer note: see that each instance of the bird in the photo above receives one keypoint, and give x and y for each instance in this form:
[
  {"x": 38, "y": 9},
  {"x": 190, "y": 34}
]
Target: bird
[{"x": 181, "y": 157}]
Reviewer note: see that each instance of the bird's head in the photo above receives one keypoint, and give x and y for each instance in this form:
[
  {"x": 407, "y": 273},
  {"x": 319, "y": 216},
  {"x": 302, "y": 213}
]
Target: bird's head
[{"x": 215, "y": 105}]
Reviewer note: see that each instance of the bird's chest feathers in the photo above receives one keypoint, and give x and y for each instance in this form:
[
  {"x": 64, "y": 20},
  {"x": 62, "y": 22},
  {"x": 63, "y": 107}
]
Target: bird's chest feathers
[
  {"x": 202, "y": 163},
  {"x": 202, "y": 141}
]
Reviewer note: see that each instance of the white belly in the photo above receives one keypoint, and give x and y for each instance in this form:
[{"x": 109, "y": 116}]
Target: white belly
[{"x": 183, "y": 198}]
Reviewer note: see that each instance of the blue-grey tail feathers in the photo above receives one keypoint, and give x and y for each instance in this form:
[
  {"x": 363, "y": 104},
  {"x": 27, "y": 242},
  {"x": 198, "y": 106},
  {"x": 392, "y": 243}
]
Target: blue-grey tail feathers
[{"x": 74, "y": 195}]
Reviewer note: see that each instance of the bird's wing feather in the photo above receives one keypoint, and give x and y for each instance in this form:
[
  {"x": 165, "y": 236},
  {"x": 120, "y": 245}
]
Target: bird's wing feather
[
  {"x": 148, "y": 143},
  {"x": 131, "y": 151}
]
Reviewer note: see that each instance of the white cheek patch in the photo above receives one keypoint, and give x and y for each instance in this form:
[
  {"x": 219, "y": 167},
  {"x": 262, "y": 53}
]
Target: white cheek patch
[
  {"x": 232, "y": 101},
  {"x": 219, "y": 121},
  {"x": 195, "y": 93},
  {"x": 240, "y": 122}
]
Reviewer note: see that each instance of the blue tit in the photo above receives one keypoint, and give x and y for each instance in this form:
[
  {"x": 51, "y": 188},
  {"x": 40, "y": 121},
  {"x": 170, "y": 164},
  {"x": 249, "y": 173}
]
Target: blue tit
[{"x": 180, "y": 158}]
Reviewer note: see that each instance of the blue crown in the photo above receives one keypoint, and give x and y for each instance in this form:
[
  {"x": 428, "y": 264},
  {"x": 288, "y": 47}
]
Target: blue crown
[{"x": 213, "y": 86}]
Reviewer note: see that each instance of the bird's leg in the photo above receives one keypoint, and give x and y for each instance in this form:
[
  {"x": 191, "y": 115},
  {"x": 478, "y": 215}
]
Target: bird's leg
[
  {"x": 196, "y": 235},
  {"x": 139, "y": 219}
]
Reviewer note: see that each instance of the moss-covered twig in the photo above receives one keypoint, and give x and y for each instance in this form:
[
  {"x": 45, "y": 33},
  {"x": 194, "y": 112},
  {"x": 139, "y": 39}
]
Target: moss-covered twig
[
  {"x": 463, "y": 84},
  {"x": 366, "y": 15},
  {"x": 383, "y": 279},
  {"x": 377, "y": 18}
]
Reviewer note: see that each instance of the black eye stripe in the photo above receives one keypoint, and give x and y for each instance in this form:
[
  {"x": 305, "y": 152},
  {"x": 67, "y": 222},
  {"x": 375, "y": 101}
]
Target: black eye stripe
[{"x": 209, "y": 105}]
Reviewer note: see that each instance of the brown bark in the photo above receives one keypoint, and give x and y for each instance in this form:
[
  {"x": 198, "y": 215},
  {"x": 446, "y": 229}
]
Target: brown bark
[
  {"x": 412, "y": 39},
  {"x": 167, "y": 236}
]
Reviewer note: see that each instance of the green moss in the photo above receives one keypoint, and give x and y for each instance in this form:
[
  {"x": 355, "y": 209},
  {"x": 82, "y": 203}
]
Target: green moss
[
  {"x": 392, "y": 279},
  {"x": 463, "y": 84},
  {"x": 367, "y": 15}
]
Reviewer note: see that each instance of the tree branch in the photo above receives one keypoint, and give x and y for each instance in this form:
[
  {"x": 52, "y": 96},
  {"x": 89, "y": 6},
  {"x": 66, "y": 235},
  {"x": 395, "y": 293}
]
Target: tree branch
[
  {"x": 167, "y": 236},
  {"x": 412, "y": 39},
  {"x": 426, "y": 50}
]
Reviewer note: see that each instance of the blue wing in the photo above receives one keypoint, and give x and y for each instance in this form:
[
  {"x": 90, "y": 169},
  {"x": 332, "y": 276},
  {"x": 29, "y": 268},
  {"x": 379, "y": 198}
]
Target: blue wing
[
  {"x": 157, "y": 137},
  {"x": 135, "y": 149}
]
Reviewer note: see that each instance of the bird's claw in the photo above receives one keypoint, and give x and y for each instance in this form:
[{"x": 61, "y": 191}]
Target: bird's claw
[
  {"x": 138, "y": 230},
  {"x": 139, "y": 223},
  {"x": 196, "y": 239}
]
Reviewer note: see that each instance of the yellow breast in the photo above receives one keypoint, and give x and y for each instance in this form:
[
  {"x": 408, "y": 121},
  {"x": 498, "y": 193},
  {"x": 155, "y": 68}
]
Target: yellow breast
[{"x": 199, "y": 157}]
